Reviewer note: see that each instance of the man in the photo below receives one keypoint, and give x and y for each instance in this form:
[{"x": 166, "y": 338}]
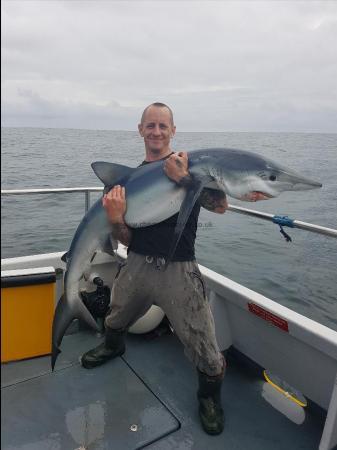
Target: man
[{"x": 179, "y": 290}]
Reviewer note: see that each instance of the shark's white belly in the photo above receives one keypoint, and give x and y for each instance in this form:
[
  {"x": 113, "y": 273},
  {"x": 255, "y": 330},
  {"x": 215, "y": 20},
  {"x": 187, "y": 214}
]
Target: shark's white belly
[{"x": 153, "y": 204}]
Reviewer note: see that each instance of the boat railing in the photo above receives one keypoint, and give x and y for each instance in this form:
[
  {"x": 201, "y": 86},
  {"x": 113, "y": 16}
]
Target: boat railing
[
  {"x": 85, "y": 190},
  {"x": 282, "y": 221}
]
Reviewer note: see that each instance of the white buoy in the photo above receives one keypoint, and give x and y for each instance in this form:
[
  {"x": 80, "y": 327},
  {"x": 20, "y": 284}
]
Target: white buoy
[{"x": 149, "y": 321}]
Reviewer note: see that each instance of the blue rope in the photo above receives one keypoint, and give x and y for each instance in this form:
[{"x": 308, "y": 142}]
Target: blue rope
[{"x": 284, "y": 221}]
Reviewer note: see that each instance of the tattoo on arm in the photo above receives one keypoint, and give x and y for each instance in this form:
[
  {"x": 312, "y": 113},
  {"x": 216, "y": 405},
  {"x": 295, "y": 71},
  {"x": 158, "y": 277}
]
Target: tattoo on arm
[
  {"x": 211, "y": 199},
  {"x": 122, "y": 233}
]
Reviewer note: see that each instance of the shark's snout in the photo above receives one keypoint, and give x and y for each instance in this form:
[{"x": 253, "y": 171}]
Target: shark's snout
[{"x": 302, "y": 183}]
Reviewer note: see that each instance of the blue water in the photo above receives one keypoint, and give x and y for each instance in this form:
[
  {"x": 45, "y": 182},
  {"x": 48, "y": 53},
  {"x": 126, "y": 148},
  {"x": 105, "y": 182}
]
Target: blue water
[{"x": 300, "y": 275}]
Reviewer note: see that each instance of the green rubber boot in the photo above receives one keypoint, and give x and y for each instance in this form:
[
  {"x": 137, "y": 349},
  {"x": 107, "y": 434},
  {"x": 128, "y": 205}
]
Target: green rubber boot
[
  {"x": 210, "y": 410},
  {"x": 112, "y": 347}
]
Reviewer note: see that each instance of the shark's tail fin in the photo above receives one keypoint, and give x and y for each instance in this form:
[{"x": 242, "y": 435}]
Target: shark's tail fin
[
  {"x": 63, "y": 317},
  {"x": 55, "y": 352}
]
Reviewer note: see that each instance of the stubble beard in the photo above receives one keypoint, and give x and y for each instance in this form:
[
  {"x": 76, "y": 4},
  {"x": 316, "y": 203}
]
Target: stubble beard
[{"x": 155, "y": 151}]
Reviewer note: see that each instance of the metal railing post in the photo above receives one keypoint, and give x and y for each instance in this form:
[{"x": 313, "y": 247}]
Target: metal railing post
[{"x": 87, "y": 201}]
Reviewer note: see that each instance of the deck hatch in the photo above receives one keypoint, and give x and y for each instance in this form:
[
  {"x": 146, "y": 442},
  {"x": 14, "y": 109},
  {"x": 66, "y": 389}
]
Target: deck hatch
[{"x": 75, "y": 408}]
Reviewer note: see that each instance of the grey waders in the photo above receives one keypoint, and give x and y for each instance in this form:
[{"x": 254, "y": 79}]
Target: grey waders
[
  {"x": 210, "y": 410},
  {"x": 112, "y": 347}
]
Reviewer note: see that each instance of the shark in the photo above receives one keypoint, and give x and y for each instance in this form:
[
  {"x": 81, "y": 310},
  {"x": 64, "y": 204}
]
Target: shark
[{"x": 152, "y": 197}]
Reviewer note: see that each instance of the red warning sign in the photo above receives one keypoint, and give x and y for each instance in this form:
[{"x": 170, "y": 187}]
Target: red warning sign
[{"x": 268, "y": 316}]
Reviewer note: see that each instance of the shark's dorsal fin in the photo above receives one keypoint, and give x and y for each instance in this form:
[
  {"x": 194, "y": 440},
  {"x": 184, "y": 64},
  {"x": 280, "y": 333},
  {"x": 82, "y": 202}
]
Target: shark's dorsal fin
[
  {"x": 192, "y": 195},
  {"x": 111, "y": 174}
]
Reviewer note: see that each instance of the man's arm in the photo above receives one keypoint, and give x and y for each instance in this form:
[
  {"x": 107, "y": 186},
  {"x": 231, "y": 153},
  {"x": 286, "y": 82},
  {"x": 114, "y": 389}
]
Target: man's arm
[
  {"x": 213, "y": 200},
  {"x": 122, "y": 233},
  {"x": 114, "y": 204},
  {"x": 176, "y": 168}
]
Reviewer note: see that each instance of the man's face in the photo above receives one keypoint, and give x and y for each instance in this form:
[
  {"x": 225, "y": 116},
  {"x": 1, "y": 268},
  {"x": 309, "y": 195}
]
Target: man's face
[{"x": 157, "y": 129}]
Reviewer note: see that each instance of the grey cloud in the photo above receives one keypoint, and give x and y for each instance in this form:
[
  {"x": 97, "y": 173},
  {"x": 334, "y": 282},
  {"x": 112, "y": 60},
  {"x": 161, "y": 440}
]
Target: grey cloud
[
  {"x": 36, "y": 111},
  {"x": 240, "y": 65}
]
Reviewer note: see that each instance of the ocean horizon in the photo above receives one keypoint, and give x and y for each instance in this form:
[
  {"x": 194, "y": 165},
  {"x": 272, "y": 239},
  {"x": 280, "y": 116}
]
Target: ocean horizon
[{"x": 300, "y": 275}]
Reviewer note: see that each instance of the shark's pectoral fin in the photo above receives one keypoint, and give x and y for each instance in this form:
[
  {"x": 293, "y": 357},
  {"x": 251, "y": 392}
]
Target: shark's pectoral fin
[
  {"x": 111, "y": 174},
  {"x": 192, "y": 195}
]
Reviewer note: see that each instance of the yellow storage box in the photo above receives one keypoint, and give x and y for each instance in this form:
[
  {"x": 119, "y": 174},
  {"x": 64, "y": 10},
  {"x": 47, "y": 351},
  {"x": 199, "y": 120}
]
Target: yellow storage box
[{"x": 27, "y": 310}]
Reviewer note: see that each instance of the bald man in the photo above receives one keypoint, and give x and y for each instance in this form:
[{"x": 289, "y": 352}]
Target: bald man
[{"x": 179, "y": 290}]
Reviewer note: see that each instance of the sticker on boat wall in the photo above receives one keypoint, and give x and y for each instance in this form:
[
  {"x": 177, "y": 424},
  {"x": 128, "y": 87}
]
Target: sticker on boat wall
[
  {"x": 285, "y": 388},
  {"x": 268, "y": 316}
]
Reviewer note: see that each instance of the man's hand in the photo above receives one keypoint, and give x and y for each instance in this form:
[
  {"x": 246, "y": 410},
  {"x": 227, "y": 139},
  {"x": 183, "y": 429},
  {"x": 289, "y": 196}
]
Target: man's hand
[
  {"x": 176, "y": 166},
  {"x": 114, "y": 204}
]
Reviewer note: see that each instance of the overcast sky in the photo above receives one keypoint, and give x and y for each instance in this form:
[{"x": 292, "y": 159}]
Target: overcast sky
[{"x": 220, "y": 65}]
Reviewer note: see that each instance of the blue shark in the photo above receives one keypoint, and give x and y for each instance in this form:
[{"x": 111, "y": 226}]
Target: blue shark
[{"x": 152, "y": 197}]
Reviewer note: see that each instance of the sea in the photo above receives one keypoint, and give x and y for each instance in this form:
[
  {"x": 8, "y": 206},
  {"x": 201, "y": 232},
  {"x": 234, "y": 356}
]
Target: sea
[{"x": 301, "y": 274}]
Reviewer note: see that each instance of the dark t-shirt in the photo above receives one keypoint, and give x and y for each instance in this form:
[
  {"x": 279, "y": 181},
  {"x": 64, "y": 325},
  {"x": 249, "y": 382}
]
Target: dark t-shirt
[{"x": 155, "y": 240}]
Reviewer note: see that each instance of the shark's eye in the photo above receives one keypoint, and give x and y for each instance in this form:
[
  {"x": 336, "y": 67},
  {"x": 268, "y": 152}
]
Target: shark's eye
[{"x": 272, "y": 177}]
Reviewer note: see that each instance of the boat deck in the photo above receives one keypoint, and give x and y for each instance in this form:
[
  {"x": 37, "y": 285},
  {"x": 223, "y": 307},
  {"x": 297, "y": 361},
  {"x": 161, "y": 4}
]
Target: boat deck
[{"x": 145, "y": 399}]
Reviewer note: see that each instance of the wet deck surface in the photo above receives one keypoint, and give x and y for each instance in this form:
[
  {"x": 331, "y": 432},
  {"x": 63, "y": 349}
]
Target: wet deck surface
[{"x": 152, "y": 386}]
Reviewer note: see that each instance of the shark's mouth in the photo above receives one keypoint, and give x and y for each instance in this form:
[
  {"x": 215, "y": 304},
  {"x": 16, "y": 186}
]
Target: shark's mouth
[
  {"x": 255, "y": 196},
  {"x": 264, "y": 194}
]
